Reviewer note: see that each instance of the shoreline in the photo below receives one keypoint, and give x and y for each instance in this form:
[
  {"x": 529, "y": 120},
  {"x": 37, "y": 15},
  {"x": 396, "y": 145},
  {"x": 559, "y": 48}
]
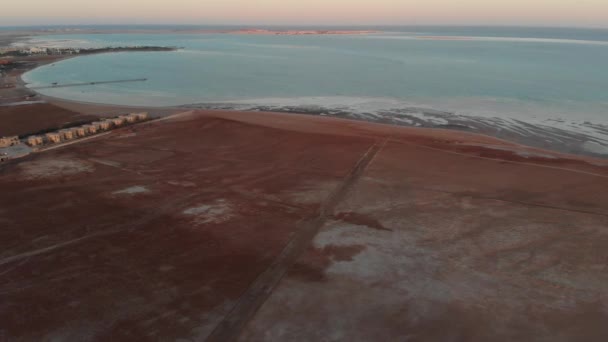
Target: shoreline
[
  {"x": 103, "y": 109},
  {"x": 18, "y": 101},
  {"x": 462, "y": 142},
  {"x": 164, "y": 111}
]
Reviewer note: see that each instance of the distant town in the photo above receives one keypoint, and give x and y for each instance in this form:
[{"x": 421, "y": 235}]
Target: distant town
[{"x": 47, "y": 51}]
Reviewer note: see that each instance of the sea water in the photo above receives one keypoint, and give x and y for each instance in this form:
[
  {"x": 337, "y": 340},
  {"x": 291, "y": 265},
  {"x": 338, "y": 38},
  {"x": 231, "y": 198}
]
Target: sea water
[{"x": 538, "y": 84}]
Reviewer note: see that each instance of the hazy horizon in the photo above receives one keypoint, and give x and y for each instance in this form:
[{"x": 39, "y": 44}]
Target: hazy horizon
[
  {"x": 541, "y": 13},
  {"x": 297, "y": 25}
]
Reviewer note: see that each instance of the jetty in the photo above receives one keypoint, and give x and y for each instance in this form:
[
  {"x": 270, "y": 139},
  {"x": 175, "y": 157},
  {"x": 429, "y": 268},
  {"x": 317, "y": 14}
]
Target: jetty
[{"x": 57, "y": 85}]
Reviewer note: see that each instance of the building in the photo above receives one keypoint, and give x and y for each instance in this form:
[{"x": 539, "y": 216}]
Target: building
[
  {"x": 104, "y": 125},
  {"x": 109, "y": 123},
  {"x": 142, "y": 116},
  {"x": 9, "y": 141},
  {"x": 74, "y": 131},
  {"x": 126, "y": 119},
  {"x": 31, "y": 141},
  {"x": 66, "y": 134},
  {"x": 81, "y": 131},
  {"x": 53, "y": 138},
  {"x": 34, "y": 140},
  {"x": 36, "y": 50},
  {"x": 90, "y": 128},
  {"x": 119, "y": 121},
  {"x": 131, "y": 118}
]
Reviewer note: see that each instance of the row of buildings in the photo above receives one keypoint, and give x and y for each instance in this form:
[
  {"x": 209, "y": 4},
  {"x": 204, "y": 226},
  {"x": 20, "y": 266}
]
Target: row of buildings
[
  {"x": 32, "y": 51},
  {"x": 84, "y": 130},
  {"x": 9, "y": 141}
]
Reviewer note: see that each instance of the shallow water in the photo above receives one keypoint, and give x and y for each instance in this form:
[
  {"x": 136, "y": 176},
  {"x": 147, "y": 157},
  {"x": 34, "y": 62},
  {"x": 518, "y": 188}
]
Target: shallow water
[{"x": 522, "y": 81}]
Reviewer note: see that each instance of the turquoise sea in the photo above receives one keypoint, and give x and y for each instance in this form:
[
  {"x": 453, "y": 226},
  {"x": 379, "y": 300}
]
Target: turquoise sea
[{"x": 544, "y": 86}]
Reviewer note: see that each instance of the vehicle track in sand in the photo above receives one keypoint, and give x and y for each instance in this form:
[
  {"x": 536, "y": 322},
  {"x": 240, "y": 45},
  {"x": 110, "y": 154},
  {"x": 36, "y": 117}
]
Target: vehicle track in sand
[{"x": 254, "y": 297}]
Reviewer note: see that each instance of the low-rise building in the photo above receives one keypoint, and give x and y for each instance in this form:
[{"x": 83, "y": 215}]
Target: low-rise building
[
  {"x": 34, "y": 140},
  {"x": 74, "y": 131},
  {"x": 125, "y": 118},
  {"x": 9, "y": 141},
  {"x": 66, "y": 134},
  {"x": 53, "y": 138},
  {"x": 142, "y": 116},
  {"x": 119, "y": 121},
  {"x": 109, "y": 123},
  {"x": 90, "y": 128},
  {"x": 105, "y": 125},
  {"x": 131, "y": 118}
]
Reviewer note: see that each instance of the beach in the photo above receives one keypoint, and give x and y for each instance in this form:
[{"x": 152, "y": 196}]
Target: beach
[
  {"x": 25, "y": 112},
  {"x": 490, "y": 83}
]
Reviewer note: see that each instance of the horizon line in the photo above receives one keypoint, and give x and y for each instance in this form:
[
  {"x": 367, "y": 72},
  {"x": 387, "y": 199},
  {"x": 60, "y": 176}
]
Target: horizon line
[{"x": 308, "y": 25}]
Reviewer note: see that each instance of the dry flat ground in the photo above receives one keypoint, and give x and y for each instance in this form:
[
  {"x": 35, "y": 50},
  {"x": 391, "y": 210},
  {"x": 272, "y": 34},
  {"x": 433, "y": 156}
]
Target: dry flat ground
[
  {"x": 29, "y": 119},
  {"x": 272, "y": 227}
]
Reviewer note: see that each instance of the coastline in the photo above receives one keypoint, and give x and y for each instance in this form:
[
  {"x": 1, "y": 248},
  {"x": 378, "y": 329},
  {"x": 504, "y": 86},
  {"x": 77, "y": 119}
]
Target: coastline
[
  {"x": 102, "y": 109},
  {"x": 473, "y": 144},
  {"x": 494, "y": 132},
  {"x": 25, "y": 111},
  {"x": 571, "y": 146}
]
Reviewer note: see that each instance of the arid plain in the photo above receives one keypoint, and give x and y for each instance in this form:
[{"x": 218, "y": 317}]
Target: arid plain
[{"x": 263, "y": 226}]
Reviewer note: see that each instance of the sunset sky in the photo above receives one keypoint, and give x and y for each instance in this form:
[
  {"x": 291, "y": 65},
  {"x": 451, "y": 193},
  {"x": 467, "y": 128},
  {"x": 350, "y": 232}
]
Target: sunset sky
[{"x": 586, "y": 13}]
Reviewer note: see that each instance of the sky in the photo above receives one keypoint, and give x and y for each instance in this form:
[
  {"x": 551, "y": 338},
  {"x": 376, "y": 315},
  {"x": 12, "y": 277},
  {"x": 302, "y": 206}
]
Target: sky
[{"x": 580, "y": 13}]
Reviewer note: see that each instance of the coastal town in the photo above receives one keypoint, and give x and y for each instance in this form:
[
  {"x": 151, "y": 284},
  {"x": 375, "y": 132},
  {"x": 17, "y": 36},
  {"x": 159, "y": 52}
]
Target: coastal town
[
  {"x": 7, "y": 52},
  {"x": 34, "y": 51},
  {"x": 15, "y": 147},
  {"x": 30, "y": 123}
]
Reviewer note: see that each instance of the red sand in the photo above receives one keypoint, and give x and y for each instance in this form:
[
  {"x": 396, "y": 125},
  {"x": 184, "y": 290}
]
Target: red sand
[
  {"x": 29, "y": 119},
  {"x": 184, "y": 228}
]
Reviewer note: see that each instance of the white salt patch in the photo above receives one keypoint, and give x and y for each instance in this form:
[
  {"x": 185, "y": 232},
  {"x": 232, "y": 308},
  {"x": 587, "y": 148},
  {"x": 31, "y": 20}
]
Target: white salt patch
[
  {"x": 137, "y": 189},
  {"x": 185, "y": 184},
  {"x": 394, "y": 258},
  {"x": 217, "y": 212},
  {"x": 53, "y": 168}
]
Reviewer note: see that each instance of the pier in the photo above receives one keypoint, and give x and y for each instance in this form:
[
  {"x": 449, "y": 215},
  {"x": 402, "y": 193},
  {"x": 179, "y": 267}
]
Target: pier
[{"x": 57, "y": 85}]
